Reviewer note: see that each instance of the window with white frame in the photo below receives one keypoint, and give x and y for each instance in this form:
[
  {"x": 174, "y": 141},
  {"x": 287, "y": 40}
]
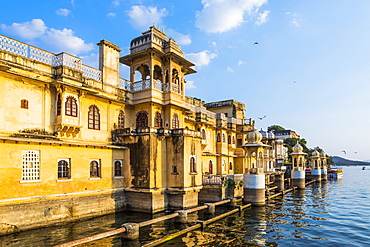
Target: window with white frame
[
  {"x": 64, "y": 169},
  {"x": 30, "y": 165},
  {"x": 118, "y": 168}
]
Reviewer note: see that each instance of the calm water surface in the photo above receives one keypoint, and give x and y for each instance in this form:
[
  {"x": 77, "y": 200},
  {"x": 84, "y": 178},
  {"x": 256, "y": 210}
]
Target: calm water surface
[{"x": 335, "y": 213}]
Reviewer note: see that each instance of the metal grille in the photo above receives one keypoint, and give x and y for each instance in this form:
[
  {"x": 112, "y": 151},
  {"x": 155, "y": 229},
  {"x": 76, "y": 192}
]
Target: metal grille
[{"x": 30, "y": 165}]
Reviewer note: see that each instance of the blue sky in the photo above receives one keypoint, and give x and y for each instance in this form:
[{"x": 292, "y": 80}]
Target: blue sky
[{"x": 310, "y": 71}]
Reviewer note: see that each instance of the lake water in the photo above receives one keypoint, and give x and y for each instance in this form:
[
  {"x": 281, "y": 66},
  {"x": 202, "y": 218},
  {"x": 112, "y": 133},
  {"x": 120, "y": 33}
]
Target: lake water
[{"x": 335, "y": 213}]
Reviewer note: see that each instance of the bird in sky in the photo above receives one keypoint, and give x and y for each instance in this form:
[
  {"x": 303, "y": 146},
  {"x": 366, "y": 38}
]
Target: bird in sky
[
  {"x": 294, "y": 82},
  {"x": 355, "y": 152},
  {"x": 256, "y": 43},
  {"x": 344, "y": 152},
  {"x": 262, "y": 117}
]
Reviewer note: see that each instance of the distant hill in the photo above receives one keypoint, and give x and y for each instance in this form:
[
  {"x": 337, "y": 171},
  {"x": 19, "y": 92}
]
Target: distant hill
[{"x": 339, "y": 161}]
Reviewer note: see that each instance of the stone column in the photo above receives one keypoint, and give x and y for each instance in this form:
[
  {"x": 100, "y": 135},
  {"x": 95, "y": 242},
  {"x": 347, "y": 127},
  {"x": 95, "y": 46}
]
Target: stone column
[
  {"x": 298, "y": 179},
  {"x": 316, "y": 174},
  {"x": 254, "y": 187},
  {"x": 324, "y": 174},
  {"x": 183, "y": 216},
  {"x": 279, "y": 181},
  {"x": 132, "y": 231}
]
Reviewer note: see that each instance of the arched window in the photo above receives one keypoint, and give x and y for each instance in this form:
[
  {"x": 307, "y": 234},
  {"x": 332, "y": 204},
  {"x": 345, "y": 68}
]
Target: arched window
[
  {"x": 95, "y": 170},
  {"x": 121, "y": 120},
  {"x": 223, "y": 138},
  {"x": 233, "y": 139},
  {"x": 175, "y": 121},
  {"x": 24, "y": 104},
  {"x": 118, "y": 168},
  {"x": 63, "y": 169},
  {"x": 142, "y": 119},
  {"x": 229, "y": 139},
  {"x": 210, "y": 167},
  {"x": 218, "y": 137},
  {"x": 223, "y": 165},
  {"x": 204, "y": 136},
  {"x": 59, "y": 105},
  {"x": 158, "y": 120},
  {"x": 71, "y": 106},
  {"x": 94, "y": 117},
  {"x": 230, "y": 165},
  {"x": 192, "y": 165}
]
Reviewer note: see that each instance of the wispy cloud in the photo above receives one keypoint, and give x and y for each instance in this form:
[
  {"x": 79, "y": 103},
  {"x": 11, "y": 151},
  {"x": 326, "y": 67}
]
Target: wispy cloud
[
  {"x": 295, "y": 21},
  {"x": 63, "y": 12},
  {"x": 116, "y": 3},
  {"x": 111, "y": 14},
  {"x": 58, "y": 40},
  {"x": 201, "y": 58},
  {"x": 181, "y": 39},
  {"x": 240, "y": 62},
  {"x": 190, "y": 85},
  {"x": 142, "y": 17},
  {"x": 218, "y": 16},
  {"x": 229, "y": 69},
  {"x": 262, "y": 17}
]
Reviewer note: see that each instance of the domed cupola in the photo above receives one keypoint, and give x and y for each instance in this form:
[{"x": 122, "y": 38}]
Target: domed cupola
[
  {"x": 297, "y": 148},
  {"x": 323, "y": 155},
  {"x": 254, "y": 137},
  {"x": 315, "y": 154}
]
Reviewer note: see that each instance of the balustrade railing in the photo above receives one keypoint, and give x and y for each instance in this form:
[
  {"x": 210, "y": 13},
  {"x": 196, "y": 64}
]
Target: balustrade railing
[
  {"x": 218, "y": 179},
  {"x": 91, "y": 73},
  {"x": 64, "y": 59},
  {"x": 125, "y": 84}
]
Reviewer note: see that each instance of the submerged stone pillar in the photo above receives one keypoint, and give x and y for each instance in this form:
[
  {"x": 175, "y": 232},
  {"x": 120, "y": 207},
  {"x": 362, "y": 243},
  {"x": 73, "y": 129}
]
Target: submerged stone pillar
[
  {"x": 132, "y": 231},
  {"x": 324, "y": 172},
  {"x": 211, "y": 208},
  {"x": 183, "y": 216},
  {"x": 279, "y": 181},
  {"x": 316, "y": 174},
  {"x": 298, "y": 179},
  {"x": 254, "y": 187}
]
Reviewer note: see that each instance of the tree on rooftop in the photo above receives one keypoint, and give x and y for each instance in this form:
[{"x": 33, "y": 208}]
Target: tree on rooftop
[{"x": 275, "y": 128}]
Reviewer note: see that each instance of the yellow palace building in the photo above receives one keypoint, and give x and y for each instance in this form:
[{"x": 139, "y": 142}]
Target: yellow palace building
[{"x": 80, "y": 142}]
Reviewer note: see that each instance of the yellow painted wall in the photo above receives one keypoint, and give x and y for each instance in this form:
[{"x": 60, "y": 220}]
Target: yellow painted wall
[{"x": 12, "y": 185}]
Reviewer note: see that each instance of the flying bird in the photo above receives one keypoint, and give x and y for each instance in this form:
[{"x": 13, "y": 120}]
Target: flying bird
[
  {"x": 355, "y": 152},
  {"x": 262, "y": 117},
  {"x": 294, "y": 82},
  {"x": 256, "y": 43},
  {"x": 344, "y": 152}
]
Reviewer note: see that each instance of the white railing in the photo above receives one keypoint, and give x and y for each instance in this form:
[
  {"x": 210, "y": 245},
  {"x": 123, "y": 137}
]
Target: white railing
[
  {"x": 124, "y": 84},
  {"x": 13, "y": 46},
  {"x": 42, "y": 56},
  {"x": 157, "y": 84},
  {"x": 212, "y": 180},
  {"x": 92, "y": 73},
  {"x": 218, "y": 179},
  {"x": 141, "y": 85},
  {"x": 68, "y": 60},
  {"x": 175, "y": 88}
]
